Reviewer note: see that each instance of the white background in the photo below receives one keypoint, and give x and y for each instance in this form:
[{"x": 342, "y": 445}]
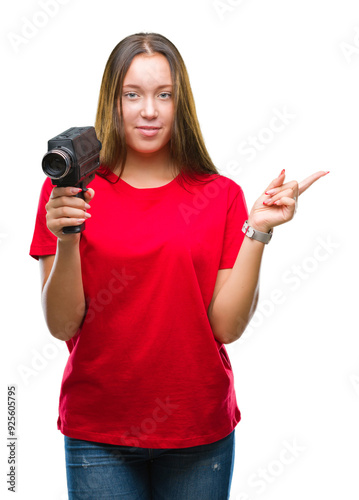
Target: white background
[{"x": 297, "y": 368}]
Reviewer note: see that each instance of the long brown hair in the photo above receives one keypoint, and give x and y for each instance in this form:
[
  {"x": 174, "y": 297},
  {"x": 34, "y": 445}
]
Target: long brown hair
[{"x": 187, "y": 147}]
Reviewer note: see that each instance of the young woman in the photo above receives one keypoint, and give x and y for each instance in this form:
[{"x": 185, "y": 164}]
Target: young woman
[{"x": 147, "y": 297}]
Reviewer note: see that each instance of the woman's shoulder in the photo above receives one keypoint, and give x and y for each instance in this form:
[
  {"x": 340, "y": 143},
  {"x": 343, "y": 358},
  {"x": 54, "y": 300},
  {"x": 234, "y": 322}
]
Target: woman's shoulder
[
  {"x": 215, "y": 186},
  {"x": 225, "y": 183},
  {"x": 219, "y": 178}
]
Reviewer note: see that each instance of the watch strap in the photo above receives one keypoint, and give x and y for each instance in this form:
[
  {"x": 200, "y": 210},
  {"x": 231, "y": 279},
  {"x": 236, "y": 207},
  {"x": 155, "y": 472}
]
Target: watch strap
[{"x": 255, "y": 234}]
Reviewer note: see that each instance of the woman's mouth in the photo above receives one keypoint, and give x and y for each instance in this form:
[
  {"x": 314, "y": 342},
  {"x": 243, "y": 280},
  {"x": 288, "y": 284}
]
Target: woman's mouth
[{"x": 148, "y": 131}]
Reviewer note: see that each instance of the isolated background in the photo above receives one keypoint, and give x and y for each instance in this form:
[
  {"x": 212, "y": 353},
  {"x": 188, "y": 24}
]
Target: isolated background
[{"x": 297, "y": 368}]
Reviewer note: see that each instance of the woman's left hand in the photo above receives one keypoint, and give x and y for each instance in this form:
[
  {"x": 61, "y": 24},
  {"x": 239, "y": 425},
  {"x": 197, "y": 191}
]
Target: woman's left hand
[{"x": 279, "y": 202}]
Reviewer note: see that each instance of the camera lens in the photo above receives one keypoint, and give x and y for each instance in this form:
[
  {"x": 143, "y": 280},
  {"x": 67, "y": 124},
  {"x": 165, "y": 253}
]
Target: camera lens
[{"x": 56, "y": 163}]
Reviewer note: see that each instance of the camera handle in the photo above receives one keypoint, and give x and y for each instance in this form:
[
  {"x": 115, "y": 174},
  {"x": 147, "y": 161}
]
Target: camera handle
[{"x": 76, "y": 229}]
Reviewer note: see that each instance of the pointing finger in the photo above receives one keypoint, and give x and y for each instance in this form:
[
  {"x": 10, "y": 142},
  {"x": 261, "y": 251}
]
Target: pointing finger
[{"x": 304, "y": 185}]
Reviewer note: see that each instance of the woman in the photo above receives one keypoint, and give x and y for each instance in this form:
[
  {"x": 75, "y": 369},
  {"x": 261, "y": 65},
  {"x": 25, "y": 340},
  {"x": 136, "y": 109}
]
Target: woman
[{"x": 162, "y": 277}]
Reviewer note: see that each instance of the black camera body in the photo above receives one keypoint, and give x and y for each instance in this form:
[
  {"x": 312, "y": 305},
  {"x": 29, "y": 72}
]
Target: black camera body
[
  {"x": 71, "y": 160},
  {"x": 72, "y": 157}
]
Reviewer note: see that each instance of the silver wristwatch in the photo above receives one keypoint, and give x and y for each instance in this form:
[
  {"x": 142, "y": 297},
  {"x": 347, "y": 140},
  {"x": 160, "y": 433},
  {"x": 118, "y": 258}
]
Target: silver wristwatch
[{"x": 255, "y": 234}]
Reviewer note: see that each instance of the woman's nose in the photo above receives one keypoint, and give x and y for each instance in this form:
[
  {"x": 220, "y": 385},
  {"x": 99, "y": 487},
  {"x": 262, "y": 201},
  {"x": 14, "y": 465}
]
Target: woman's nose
[{"x": 149, "y": 109}]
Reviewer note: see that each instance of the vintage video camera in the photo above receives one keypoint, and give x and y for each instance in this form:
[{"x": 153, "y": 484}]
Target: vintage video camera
[{"x": 71, "y": 160}]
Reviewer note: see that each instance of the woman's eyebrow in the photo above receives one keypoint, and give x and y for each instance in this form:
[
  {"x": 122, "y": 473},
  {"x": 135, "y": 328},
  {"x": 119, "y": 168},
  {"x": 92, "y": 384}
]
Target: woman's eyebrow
[{"x": 134, "y": 86}]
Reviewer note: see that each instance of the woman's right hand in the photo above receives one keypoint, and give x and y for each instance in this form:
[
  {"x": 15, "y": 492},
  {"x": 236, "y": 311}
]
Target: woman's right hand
[{"x": 65, "y": 209}]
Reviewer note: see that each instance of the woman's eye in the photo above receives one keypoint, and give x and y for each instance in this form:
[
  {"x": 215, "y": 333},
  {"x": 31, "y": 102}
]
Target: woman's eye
[
  {"x": 131, "y": 95},
  {"x": 165, "y": 95}
]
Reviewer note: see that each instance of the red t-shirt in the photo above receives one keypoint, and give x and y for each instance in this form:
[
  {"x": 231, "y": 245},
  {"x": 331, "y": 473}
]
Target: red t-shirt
[{"x": 144, "y": 368}]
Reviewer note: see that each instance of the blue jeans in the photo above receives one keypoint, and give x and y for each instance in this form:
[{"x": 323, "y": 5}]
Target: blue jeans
[{"x": 99, "y": 471}]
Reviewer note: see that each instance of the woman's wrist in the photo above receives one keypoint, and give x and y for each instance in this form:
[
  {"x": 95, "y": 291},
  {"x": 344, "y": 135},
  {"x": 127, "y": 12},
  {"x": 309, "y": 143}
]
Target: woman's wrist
[
  {"x": 263, "y": 228},
  {"x": 68, "y": 244}
]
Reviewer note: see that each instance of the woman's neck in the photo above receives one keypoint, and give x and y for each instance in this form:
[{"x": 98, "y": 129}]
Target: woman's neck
[{"x": 146, "y": 169}]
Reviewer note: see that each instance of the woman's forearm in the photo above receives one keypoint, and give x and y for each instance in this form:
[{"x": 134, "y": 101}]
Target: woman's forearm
[
  {"x": 237, "y": 299},
  {"x": 234, "y": 305},
  {"x": 63, "y": 298}
]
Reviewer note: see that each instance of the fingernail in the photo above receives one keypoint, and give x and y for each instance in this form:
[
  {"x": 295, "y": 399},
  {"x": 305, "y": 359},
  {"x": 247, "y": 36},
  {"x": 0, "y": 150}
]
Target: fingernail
[
  {"x": 282, "y": 172},
  {"x": 80, "y": 221},
  {"x": 271, "y": 191},
  {"x": 75, "y": 190},
  {"x": 87, "y": 215},
  {"x": 87, "y": 205},
  {"x": 327, "y": 172}
]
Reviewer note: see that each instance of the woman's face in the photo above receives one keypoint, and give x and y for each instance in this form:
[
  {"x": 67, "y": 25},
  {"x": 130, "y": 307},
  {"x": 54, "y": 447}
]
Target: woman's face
[{"x": 147, "y": 103}]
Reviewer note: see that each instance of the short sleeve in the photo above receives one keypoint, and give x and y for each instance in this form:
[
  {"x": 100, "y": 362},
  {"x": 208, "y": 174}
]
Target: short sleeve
[
  {"x": 44, "y": 242},
  {"x": 237, "y": 214}
]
